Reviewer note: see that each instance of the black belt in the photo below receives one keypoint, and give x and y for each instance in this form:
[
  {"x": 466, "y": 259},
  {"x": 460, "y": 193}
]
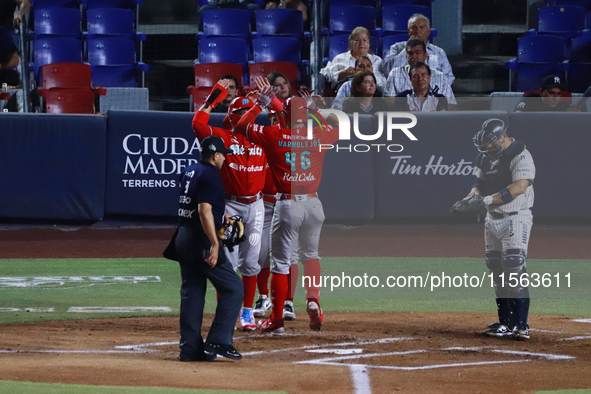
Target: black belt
[{"x": 496, "y": 215}]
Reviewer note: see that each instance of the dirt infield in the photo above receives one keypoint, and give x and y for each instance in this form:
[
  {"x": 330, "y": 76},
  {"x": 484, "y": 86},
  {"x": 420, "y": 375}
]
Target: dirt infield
[{"x": 355, "y": 352}]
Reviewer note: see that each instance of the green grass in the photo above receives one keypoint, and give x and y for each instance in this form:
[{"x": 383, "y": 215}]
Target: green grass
[
  {"x": 573, "y": 301},
  {"x": 47, "y": 388}
]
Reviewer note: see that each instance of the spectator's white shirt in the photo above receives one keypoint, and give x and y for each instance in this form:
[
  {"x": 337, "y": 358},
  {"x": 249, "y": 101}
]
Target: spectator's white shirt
[
  {"x": 345, "y": 60},
  {"x": 399, "y": 81},
  {"x": 437, "y": 60}
]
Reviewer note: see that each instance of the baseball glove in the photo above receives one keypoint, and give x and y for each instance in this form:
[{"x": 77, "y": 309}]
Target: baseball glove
[
  {"x": 232, "y": 233},
  {"x": 468, "y": 207}
]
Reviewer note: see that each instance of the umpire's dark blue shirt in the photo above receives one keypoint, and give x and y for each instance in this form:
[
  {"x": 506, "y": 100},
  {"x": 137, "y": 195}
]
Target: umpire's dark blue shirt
[{"x": 201, "y": 183}]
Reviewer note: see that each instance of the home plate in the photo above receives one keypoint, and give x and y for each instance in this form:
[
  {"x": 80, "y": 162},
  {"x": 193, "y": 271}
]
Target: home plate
[{"x": 336, "y": 351}]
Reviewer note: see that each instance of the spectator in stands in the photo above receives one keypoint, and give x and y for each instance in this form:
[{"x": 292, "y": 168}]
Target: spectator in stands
[
  {"x": 8, "y": 59},
  {"x": 249, "y": 5},
  {"x": 8, "y": 18},
  {"x": 421, "y": 97},
  {"x": 280, "y": 82},
  {"x": 549, "y": 98},
  {"x": 399, "y": 81},
  {"x": 291, "y": 4},
  {"x": 363, "y": 63},
  {"x": 343, "y": 64},
  {"x": 363, "y": 90},
  {"x": 418, "y": 27},
  {"x": 232, "y": 94}
]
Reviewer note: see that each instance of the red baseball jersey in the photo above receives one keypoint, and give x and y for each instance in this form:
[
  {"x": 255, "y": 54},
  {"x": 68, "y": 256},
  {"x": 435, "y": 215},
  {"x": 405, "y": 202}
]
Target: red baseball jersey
[
  {"x": 269, "y": 187},
  {"x": 295, "y": 161},
  {"x": 243, "y": 172}
]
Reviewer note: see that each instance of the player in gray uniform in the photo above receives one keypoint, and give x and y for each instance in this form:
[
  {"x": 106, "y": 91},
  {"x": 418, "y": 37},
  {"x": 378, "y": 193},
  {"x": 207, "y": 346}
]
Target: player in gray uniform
[{"x": 505, "y": 174}]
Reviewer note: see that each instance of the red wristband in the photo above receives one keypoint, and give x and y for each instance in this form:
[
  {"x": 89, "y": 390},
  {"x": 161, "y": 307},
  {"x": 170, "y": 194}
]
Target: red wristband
[{"x": 276, "y": 104}]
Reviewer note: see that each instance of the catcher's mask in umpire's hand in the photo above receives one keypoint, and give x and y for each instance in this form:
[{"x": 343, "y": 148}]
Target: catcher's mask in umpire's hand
[{"x": 487, "y": 139}]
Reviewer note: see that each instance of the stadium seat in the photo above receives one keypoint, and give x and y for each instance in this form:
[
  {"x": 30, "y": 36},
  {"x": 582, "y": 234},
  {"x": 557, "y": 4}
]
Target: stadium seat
[
  {"x": 207, "y": 74},
  {"x": 54, "y": 50},
  {"x": 198, "y": 96},
  {"x": 426, "y": 3},
  {"x": 353, "y": 2},
  {"x": 92, "y": 4},
  {"x": 537, "y": 57},
  {"x": 581, "y": 49},
  {"x": 263, "y": 69},
  {"x": 395, "y": 17},
  {"x": 4, "y": 96},
  {"x": 390, "y": 40},
  {"x": 278, "y": 49},
  {"x": 564, "y": 21},
  {"x": 113, "y": 62},
  {"x": 69, "y": 101},
  {"x": 225, "y": 22},
  {"x": 112, "y": 22},
  {"x": 280, "y": 21},
  {"x": 343, "y": 19},
  {"x": 66, "y": 75},
  {"x": 59, "y": 22},
  {"x": 224, "y": 50},
  {"x": 579, "y": 76}
]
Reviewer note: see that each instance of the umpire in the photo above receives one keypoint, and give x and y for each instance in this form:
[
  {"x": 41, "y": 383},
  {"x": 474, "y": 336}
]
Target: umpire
[{"x": 195, "y": 245}]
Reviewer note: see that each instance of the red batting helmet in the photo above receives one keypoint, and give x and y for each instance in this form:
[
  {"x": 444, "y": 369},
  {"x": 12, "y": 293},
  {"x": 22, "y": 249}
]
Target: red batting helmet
[
  {"x": 237, "y": 104},
  {"x": 294, "y": 110}
]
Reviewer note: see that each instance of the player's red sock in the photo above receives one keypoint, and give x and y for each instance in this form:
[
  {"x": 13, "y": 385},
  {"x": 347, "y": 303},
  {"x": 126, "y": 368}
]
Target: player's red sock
[
  {"x": 263, "y": 281},
  {"x": 278, "y": 293},
  {"x": 312, "y": 271},
  {"x": 250, "y": 286},
  {"x": 292, "y": 281}
]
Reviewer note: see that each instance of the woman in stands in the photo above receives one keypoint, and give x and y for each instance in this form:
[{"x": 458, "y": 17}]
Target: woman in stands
[
  {"x": 343, "y": 64},
  {"x": 279, "y": 81},
  {"x": 363, "y": 90}
]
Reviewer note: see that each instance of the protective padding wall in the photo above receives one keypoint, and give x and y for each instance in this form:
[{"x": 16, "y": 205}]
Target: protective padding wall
[
  {"x": 147, "y": 152},
  {"x": 52, "y": 166},
  {"x": 82, "y": 167}
]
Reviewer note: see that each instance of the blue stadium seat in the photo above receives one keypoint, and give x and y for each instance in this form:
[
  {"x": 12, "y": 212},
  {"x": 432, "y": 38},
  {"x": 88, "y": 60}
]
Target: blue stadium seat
[
  {"x": 278, "y": 49},
  {"x": 579, "y": 76},
  {"x": 537, "y": 57},
  {"x": 53, "y": 50},
  {"x": 353, "y": 2},
  {"x": 62, "y": 22},
  {"x": 389, "y": 40},
  {"x": 395, "y": 17},
  {"x": 113, "y": 62},
  {"x": 112, "y": 22},
  {"x": 280, "y": 21},
  {"x": 223, "y": 50},
  {"x": 581, "y": 49},
  {"x": 564, "y": 21},
  {"x": 226, "y": 22},
  {"x": 343, "y": 19},
  {"x": 131, "y": 4}
]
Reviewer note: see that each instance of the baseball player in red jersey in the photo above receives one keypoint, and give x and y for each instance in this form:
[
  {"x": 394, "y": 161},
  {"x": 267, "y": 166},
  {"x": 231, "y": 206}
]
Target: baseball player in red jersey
[
  {"x": 244, "y": 178},
  {"x": 296, "y": 164}
]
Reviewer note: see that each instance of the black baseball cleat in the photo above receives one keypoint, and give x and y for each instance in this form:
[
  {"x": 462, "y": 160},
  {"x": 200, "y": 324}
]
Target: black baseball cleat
[
  {"x": 227, "y": 351},
  {"x": 521, "y": 332},
  {"x": 497, "y": 330},
  {"x": 205, "y": 356}
]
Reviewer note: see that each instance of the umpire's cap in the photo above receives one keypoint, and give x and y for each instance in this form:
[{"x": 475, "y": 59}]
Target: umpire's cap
[{"x": 213, "y": 144}]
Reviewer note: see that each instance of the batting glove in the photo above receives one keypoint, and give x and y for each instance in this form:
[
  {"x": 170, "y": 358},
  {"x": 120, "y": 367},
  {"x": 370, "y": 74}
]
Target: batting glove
[
  {"x": 309, "y": 101},
  {"x": 266, "y": 96},
  {"x": 217, "y": 95}
]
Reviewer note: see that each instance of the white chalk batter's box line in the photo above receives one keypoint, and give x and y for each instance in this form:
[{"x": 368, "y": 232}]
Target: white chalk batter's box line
[
  {"x": 92, "y": 309},
  {"x": 74, "y": 281}
]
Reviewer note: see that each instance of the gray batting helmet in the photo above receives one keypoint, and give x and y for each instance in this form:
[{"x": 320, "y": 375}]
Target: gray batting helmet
[{"x": 491, "y": 131}]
